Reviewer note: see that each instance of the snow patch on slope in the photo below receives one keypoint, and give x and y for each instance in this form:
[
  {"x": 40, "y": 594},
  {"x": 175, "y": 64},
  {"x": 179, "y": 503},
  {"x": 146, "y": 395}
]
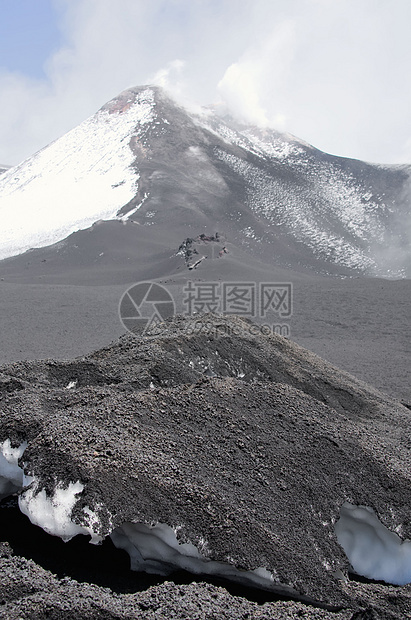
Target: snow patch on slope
[
  {"x": 261, "y": 142},
  {"x": 155, "y": 549},
  {"x": 11, "y": 475},
  {"x": 323, "y": 206},
  {"x": 372, "y": 549},
  {"x": 53, "y": 514},
  {"x": 83, "y": 177},
  {"x": 316, "y": 214}
]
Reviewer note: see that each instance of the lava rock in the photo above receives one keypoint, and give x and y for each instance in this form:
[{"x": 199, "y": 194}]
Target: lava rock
[{"x": 252, "y": 471}]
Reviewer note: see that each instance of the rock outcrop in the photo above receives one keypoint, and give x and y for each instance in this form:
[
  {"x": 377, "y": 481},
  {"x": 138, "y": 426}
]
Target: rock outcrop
[{"x": 233, "y": 451}]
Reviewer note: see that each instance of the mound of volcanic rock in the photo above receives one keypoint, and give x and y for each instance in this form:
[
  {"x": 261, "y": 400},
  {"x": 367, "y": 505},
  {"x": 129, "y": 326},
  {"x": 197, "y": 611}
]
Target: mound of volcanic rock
[{"x": 208, "y": 447}]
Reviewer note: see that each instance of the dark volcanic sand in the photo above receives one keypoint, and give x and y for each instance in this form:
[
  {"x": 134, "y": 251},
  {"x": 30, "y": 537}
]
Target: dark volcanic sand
[{"x": 360, "y": 325}]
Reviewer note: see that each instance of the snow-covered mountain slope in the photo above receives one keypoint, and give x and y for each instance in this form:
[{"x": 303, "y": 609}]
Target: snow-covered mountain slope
[
  {"x": 144, "y": 160},
  {"x": 347, "y": 212},
  {"x": 84, "y": 176}
]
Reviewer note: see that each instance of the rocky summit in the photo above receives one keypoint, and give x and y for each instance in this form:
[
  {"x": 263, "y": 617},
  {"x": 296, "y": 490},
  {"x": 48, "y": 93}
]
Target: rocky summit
[{"x": 223, "y": 461}]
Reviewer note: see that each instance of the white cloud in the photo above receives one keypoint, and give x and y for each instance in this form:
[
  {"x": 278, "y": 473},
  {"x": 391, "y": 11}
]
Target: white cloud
[
  {"x": 334, "y": 73},
  {"x": 170, "y": 77},
  {"x": 249, "y": 86},
  {"x": 239, "y": 89}
]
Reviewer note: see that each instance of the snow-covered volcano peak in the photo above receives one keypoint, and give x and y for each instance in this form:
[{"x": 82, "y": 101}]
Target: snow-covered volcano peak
[
  {"x": 143, "y": 158},
  {"x": 128, "y": 98},
  {"x": 84, "y": 176}
]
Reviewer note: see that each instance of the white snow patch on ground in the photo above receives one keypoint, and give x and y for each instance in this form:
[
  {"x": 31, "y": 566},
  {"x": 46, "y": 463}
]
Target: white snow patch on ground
[
  {"x": 155, "y": 549},
  {"x": 299, "y": 210},
  {"x": 372, "y": 549},
  {"x": 83, "y": 177},
  {"x": 133, "y": 210},
  {"x": 11, "y": 475},
  {"x": 249, "y": 232},
  {"x": 53, "y": 514},
  {"x": 277, "y": 147}
]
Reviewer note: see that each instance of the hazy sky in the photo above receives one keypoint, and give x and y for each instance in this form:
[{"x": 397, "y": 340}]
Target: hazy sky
[{"x": 335, "y": 73}]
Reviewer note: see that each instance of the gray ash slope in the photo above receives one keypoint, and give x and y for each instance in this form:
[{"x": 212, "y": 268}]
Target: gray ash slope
[
  {"x": 250, "y": 465},
  {"x": 276, "y": 199}
]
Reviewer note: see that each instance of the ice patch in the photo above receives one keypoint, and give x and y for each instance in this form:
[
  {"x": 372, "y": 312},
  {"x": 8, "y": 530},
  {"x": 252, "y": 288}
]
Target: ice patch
[
  {"x": 155, "y": 549},
  {"x": 11, "y": 475},
  {"x": 372, "y": 549},
  {"x": 53, "y": 514}
]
